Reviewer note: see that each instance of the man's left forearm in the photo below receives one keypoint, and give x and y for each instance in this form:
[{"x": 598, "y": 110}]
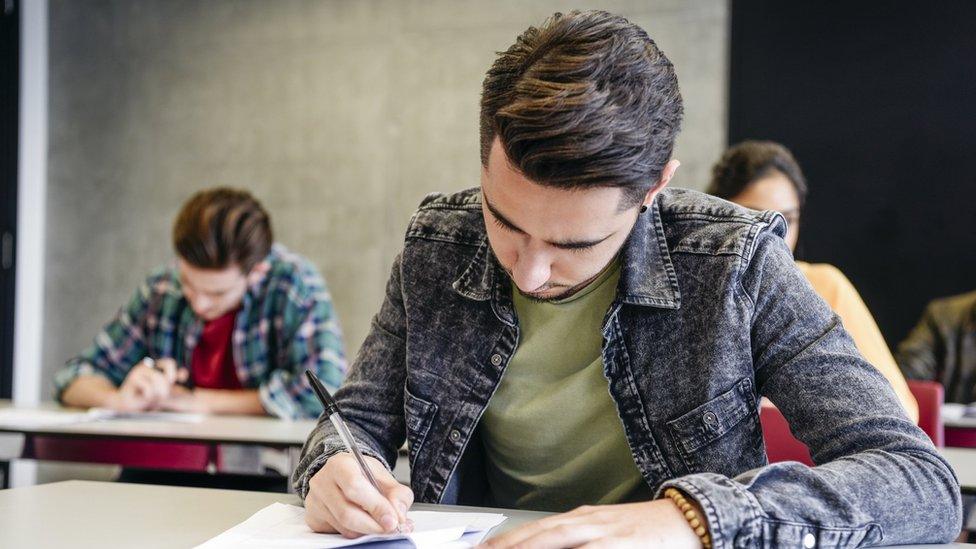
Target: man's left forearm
[{"x": 217, "y": 401}]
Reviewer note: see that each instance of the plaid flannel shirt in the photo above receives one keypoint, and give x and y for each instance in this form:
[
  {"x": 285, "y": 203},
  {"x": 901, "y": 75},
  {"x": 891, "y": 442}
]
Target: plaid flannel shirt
[{"x": 286, "y": 324}]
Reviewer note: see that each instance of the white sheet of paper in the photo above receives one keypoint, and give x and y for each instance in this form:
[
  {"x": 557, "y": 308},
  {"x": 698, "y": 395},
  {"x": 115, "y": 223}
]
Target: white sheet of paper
[
  {"x": 281, "y": 525},
  {"x": 178, "y": 417}
]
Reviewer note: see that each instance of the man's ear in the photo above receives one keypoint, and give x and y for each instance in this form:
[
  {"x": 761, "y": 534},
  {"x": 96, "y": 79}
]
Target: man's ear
[
  {"x": 257, "y": 272},
  {"x": 666, "y": 174}
]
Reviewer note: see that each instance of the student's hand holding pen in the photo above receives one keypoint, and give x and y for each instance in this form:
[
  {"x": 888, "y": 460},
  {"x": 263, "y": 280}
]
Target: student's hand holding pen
[
  {"x": 342, "y": 500},
  {"x": 148, "y": 384}
]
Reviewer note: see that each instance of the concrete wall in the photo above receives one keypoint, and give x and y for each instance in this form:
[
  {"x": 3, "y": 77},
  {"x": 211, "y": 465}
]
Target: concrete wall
[{"x": 339, "y": 114}]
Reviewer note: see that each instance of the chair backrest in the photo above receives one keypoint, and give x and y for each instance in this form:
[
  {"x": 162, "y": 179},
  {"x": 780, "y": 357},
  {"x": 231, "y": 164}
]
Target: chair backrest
[
  {"x": 781, "y": 445},
  {"x": 147, "y": 454},
  {"x": 929, "y": 395}
]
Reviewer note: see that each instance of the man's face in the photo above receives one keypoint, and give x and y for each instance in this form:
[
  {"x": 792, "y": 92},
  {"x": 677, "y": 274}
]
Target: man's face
[
  {"x": 212, "y": 292},
  {"x": 550, "y": 241}
]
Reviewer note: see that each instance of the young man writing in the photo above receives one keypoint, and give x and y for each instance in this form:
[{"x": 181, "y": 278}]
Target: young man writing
[
  {"x": 574, "y": 335},
  {"x": 229, "y": 329}
]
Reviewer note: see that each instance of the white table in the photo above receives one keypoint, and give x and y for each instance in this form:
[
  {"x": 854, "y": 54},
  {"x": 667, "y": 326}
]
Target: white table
[
  {"x": 99, "y": 514},
  {"x": 104, "y": 514},
  {"x": 963, "y": 461},
  {"x": 953, "y": 415},
  {"x": 268, "y": 443},
  {"x": 226, "y": 429}
]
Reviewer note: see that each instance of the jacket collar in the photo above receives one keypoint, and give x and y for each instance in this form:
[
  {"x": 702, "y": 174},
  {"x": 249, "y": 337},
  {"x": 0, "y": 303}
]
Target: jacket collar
[{"x": 647, "y": 274}]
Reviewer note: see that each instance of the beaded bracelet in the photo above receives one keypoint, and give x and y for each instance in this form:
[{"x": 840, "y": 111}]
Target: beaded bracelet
[{"x": 690, "y": 513}]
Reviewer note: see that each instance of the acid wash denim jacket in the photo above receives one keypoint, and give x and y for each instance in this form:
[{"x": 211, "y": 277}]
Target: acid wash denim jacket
[{"x": 711, "y": 314}]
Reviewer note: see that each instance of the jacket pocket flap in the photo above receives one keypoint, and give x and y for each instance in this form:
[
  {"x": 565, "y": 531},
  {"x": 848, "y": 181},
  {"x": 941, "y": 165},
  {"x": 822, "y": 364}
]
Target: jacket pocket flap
[{"x": 706, "y": 423}]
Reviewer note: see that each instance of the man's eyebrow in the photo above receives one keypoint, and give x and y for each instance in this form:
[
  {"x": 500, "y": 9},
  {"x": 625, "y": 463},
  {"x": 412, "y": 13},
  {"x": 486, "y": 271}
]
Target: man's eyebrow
[
  {"x": 498, "y": 215},
  {"x": 564, "y": 244}
]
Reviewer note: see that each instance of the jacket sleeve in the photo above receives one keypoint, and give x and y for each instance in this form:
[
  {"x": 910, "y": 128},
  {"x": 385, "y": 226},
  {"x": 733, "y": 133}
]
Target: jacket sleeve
[
  {"x": 878, "y": 479},
  {"x": 862, "y": 328},
  {"x": 371, "y": 399},
  {"x": 921, "y": 353}
]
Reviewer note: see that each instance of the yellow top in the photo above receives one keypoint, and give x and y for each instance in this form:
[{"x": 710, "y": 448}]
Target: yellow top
[{"x": 840, "y": 294}]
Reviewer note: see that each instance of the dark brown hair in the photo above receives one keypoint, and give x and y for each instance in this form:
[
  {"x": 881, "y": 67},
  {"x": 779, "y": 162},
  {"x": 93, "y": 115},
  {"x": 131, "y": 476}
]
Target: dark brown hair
[
  {"x": 587, "y": 99},
  {"x": 220, "y": 227},
  {"x": 750, "y": 161}
]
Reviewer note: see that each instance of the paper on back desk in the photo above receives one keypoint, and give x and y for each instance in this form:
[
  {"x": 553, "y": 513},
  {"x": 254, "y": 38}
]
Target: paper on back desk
[
  {"x": 31, "y": 418},
  {"x": 100, "y": 414},
  {"x": 281, "y": 525}
]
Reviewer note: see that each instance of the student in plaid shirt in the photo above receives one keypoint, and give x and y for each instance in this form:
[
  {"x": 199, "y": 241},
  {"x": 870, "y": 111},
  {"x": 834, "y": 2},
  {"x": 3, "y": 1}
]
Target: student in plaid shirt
[{"x": 229, "y": 328}]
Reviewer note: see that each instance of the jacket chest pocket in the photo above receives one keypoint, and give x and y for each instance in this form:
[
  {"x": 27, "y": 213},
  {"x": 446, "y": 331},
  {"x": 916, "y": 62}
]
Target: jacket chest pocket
[
  {"x": 722, "y": 435},
  {"x": 419, "y": 415}
]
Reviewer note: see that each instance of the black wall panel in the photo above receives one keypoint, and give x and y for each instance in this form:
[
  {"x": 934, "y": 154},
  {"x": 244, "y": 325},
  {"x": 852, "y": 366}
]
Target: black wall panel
[
  {"x": 877, "y": 100},
  {"x": 9, "y": 129}
]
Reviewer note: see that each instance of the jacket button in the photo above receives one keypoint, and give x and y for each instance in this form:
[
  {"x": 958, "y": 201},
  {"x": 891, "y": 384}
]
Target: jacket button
[
  {"x": 455, "y": 435},
  {"x": 496, "y": 359},
  {"x": 710, "y": 419},
  {"x": 809, "y": 541}
]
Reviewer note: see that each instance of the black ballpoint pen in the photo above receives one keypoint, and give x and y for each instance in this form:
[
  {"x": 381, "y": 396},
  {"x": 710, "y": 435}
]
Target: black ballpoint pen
[{"x": 335, "y": 416}]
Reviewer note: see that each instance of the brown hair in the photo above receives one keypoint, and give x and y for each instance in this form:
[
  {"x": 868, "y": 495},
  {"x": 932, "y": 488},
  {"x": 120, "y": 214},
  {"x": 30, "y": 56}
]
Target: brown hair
[
  {"x": 222, "y": 226},
  {"x": 749, "y": 161},
  {"x": 587, "y": 99}
]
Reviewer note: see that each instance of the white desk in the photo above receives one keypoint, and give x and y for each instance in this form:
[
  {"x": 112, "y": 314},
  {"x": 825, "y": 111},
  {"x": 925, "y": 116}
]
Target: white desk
[
  {"x": 953, "y": 415},
  {"x": 248, "y": 430},
  {"x": 268, "y": 443},
  {"x": 960, "y": 429},
  {"x": 99, "y": 514},
  {"x": 963, "y": 461},
  {"x": 252, "y": 431},
  {"x": 104, "y": 514}
]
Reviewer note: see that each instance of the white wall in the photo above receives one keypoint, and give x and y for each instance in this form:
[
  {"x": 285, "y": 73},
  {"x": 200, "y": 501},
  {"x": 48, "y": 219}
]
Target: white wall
[{"x": 340, "y": 115}]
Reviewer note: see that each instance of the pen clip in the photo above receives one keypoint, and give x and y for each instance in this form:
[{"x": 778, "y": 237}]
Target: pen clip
[{"x": 328, "y": 403}]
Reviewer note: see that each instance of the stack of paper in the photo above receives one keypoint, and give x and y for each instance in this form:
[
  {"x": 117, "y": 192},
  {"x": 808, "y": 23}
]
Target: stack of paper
[{"x": 280, "y": 525}]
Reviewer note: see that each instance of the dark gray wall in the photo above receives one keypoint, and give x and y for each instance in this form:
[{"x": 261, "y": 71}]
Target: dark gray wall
[
  {"x": 339, "y": 114},
  {"x": 878, "y": 111}
]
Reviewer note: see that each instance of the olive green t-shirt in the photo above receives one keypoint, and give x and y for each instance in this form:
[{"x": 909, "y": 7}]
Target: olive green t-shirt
[{"x": 552, "y": 435}]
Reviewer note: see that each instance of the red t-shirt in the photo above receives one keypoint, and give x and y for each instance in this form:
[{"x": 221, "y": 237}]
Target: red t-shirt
[
  {"x": 213, "y": 357},
  {"x": 213, "y": 368}
]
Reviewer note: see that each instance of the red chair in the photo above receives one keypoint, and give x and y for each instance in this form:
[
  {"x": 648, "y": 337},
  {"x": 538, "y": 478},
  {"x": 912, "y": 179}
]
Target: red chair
[
  {"x": 147, "y": 454},
  {"x": 781, "y": 445},
  {"x": 929, "y": 395}
]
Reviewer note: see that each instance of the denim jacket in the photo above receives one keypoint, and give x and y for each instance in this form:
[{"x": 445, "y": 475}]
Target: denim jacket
[{"x": 710, "y": 315}]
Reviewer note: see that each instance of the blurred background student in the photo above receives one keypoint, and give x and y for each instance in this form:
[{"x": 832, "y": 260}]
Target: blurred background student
[
  {"x": 236, "y": 317},
  {"x": 763, "y": 175},
  {"x": 228, "y": 327},
  {"x": 942, "y": 347}
]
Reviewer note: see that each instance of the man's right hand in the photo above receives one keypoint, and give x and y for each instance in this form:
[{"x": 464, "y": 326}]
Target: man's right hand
[
  {"x": 145, "y": 387},
  {"x": 341, "y": 500}
]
